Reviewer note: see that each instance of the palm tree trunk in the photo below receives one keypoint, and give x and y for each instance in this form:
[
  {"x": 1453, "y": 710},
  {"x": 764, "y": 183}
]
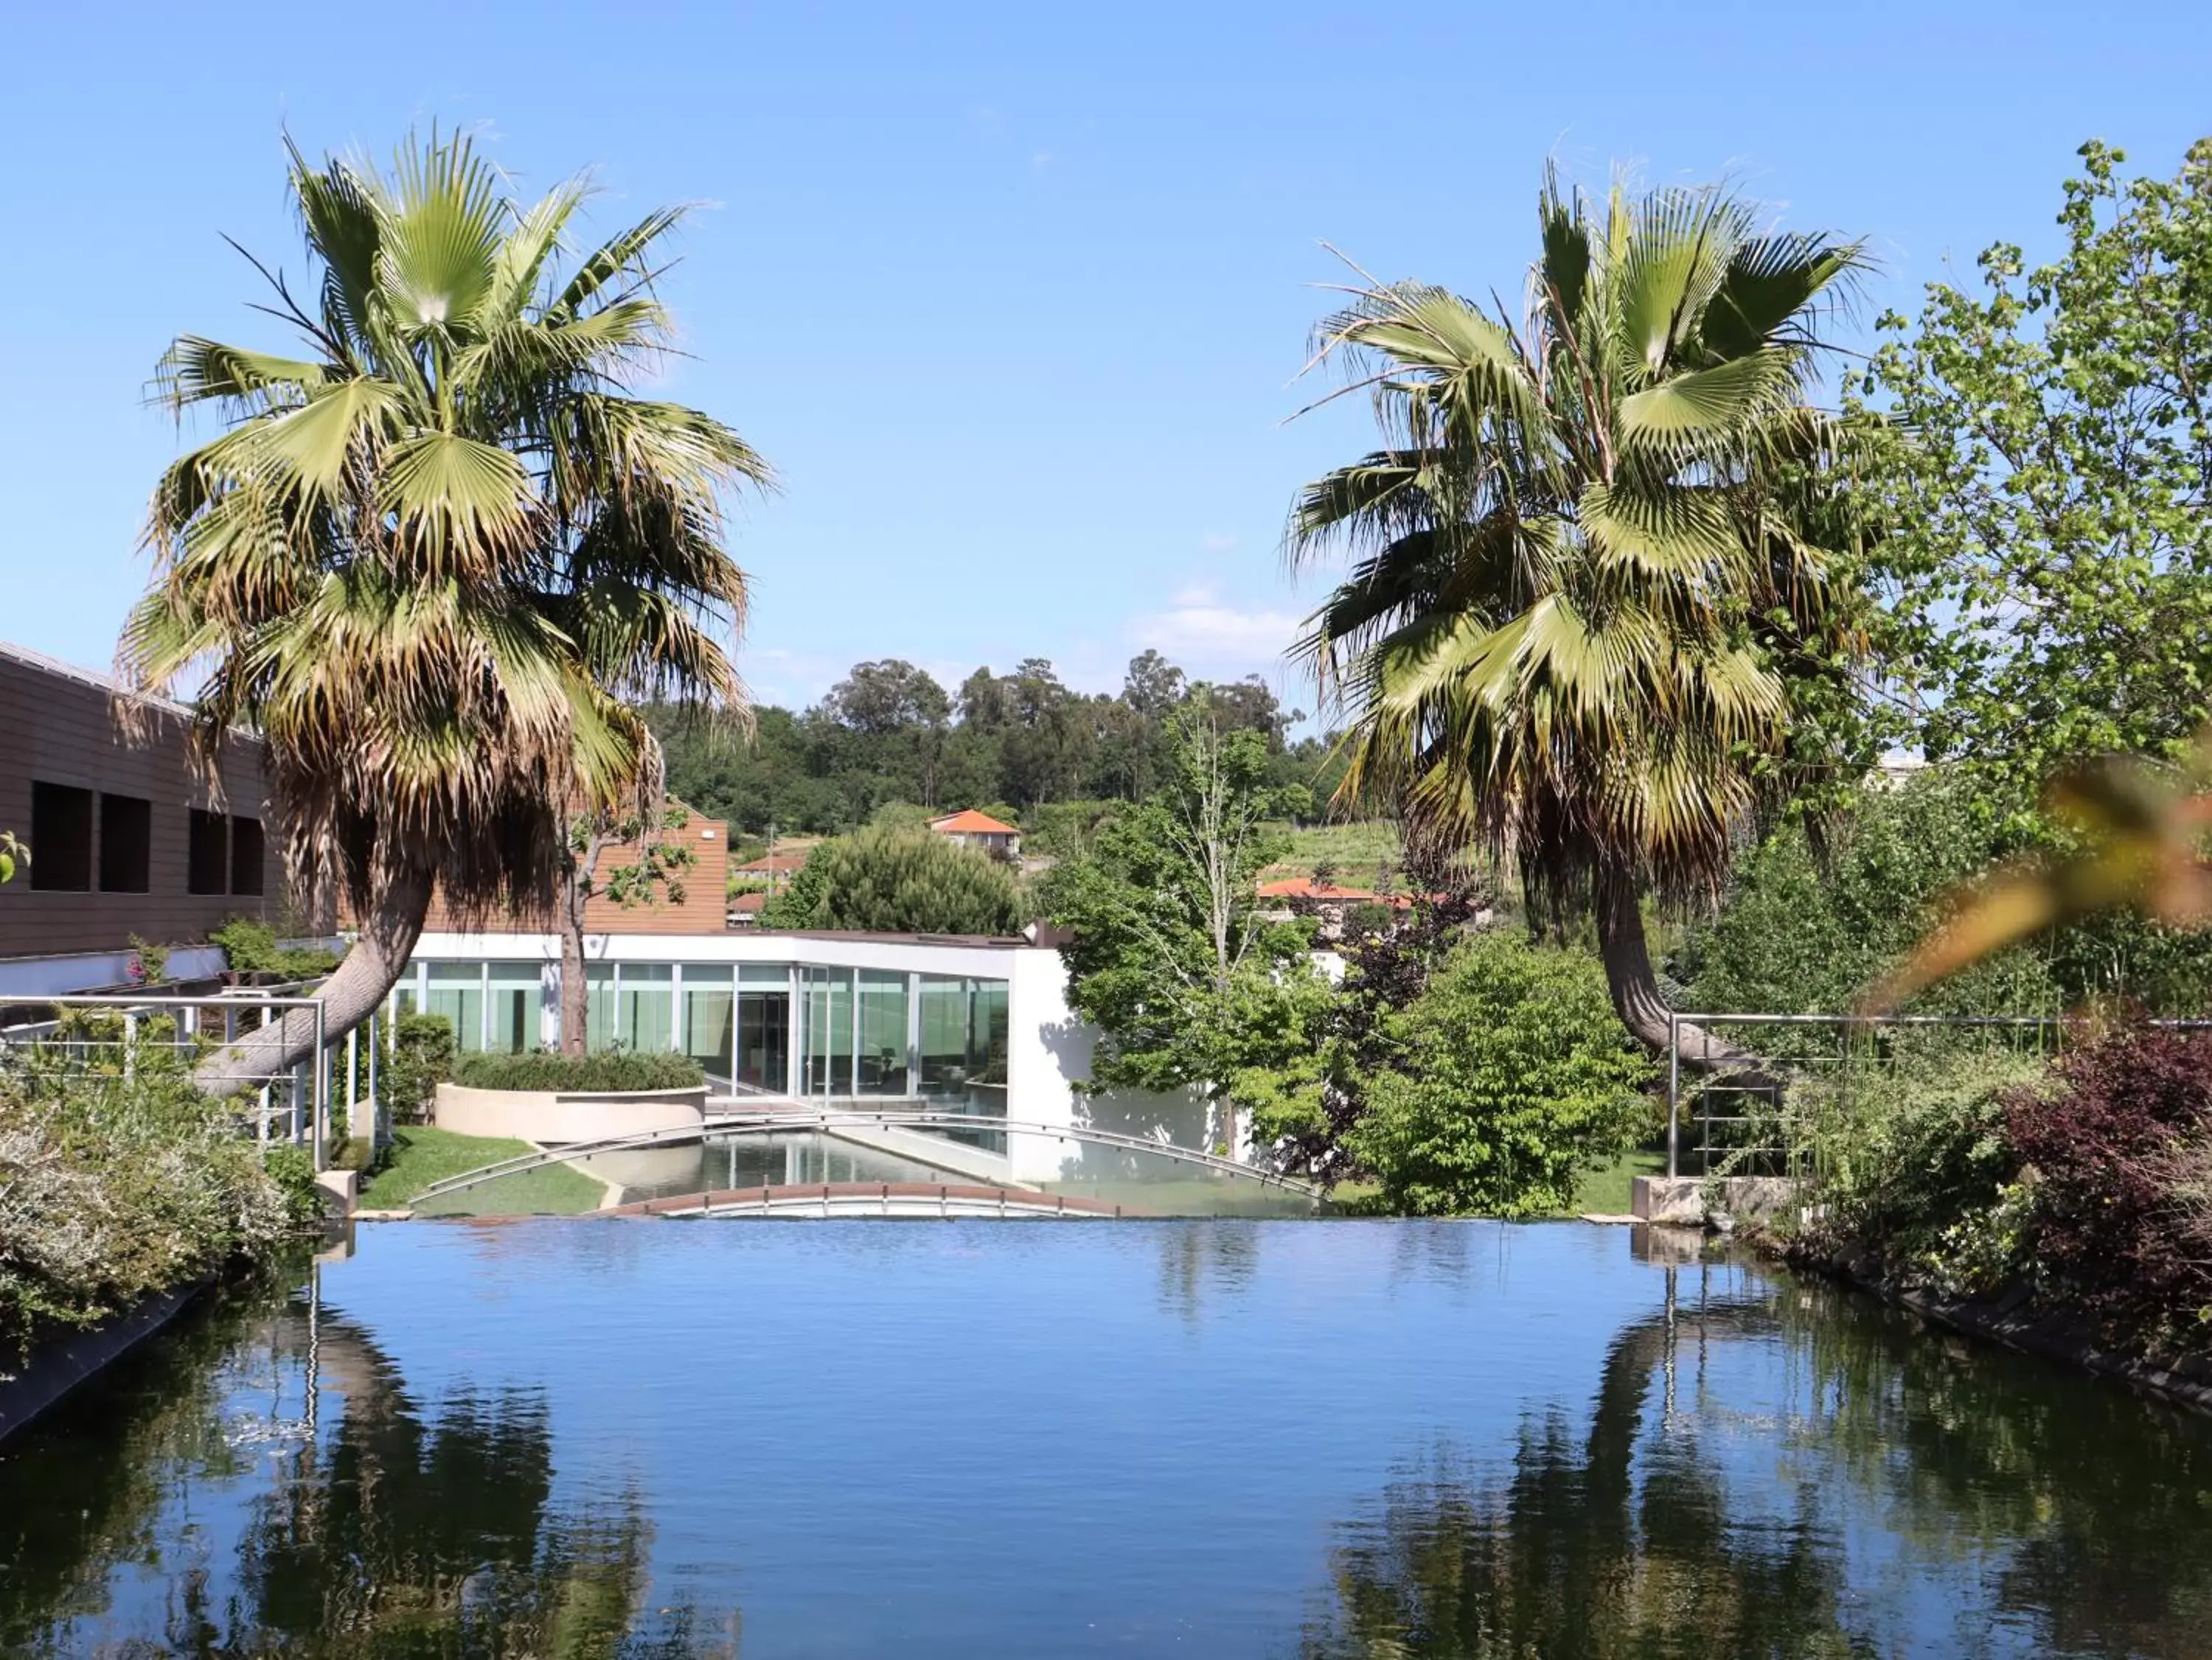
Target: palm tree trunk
[
  {"x": 1635, "y": 986},
  {"x": 354, "y": 992}
]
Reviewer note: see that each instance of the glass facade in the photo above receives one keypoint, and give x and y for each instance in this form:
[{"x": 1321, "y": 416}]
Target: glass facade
[{"x": 766, "y": 1029}]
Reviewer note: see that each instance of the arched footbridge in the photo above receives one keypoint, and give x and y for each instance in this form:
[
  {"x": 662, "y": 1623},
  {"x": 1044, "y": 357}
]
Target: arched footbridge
[{"x": 873, "y": 1198}]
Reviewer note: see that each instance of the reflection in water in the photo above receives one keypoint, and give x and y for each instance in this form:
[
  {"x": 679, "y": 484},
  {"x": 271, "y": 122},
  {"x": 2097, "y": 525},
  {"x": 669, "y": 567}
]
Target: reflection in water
[
  {"x": 965, "y": 1439},
  {"x": 1648, "y": 1532},
  {"x": 388, "y": 1532}
]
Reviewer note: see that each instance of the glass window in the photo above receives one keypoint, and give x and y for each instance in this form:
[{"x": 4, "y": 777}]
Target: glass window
[
  {"x": 964, "y": 1026},
  {"x": 765, "y": 973},
  {"x": 828, "y": 1013},
  {"x": 709, "y": 1017},
  {"x": 645, "y": 1007},
  {"x": 455, "y": 990},
  {"x": 882, "y": 1056},
  {"x": 513, "y": 1004},
  {"x": 598, "y": 1006}
]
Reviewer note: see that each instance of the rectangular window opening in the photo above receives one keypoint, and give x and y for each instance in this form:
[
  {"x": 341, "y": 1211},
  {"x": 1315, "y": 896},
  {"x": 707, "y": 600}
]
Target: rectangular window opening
[
  {"x": 246, "y": 853},
  {"x": 126, "y": 844},
  {"x": 207, "y": 863},
  {"x": 61, "y": 838}
]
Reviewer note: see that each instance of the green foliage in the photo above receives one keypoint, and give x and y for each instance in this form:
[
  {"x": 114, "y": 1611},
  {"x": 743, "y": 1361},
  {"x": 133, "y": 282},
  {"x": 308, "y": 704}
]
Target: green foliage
[
  {"x": 419, "y": 1059},
  {"x": 453, "y": 477},
  {"x": 1172, "y": 959},
  {"x": 249, "y": 946},
  {"x": 614, "y": 1070},
  {"x": 1600, "y": 602},
  {"x": 1007, "y": 744},
  {"x": 892, "y": 879},
  {"x": 2047, "y": 480},
  {"x": 1913, "y": 1166},
  {"x": 1515, "y": 1078},
  {"x": 113, "y": 1188},
  {"x": 153, "y": 960},
  {"x": 11, "y": 850},
  {"x": 1062, "y": 829},
  {"x": 1805, "y": 928}
]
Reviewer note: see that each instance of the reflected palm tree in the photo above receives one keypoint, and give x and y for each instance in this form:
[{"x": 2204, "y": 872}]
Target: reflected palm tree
[
  {"x": 393, "y": 1533},
  {"x": 2076, "y": 1519}
]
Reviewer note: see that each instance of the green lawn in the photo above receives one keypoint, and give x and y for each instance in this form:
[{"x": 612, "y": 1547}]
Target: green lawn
[
  {"x": 422, "y": 1155},
  {"x": 1355, "y": 850},
  {"x": 1604, "y": 1192}
]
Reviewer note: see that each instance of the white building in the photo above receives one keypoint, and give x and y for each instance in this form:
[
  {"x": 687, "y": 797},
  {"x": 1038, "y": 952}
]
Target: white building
[{"x": 975, "y": 1027}]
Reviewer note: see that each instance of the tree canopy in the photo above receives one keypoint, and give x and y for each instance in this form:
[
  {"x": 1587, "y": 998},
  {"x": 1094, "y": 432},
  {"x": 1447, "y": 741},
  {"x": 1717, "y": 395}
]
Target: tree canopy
[
  {"x": 900, "y": 879},
  {"x": 1599, "y": 586}
]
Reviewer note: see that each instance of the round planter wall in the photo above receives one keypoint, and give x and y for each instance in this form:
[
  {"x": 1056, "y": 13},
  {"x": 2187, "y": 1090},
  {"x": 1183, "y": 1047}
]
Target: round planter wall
[{"x": 561, "y": 1116}]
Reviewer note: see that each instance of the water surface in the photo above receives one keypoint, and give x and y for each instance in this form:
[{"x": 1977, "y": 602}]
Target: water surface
[{"x": 1217, "y": 1438}]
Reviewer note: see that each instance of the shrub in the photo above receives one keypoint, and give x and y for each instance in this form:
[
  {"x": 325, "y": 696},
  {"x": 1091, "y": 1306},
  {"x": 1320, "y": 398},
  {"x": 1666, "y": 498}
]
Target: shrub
[
  {"x": 2100, "y": 1152},
  {"x": 1517, "y": 1076},
  {"x": 111, "y": 1189},
  {"x": 1915, "y": 1168},
  {"x": 890, "y": 880},
  {"x": 250, "y": 947},
  {"x": 419, "y": 1059},
  {"x": 615, "y": 1069}
]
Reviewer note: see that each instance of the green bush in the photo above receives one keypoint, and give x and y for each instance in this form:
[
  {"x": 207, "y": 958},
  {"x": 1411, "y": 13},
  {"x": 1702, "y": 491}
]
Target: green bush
[
  {"x": 888, "y": 879},
  {"x": 420, "y": 1057},
  {"x": 1517, "y": 1076},
  {"x": 250, "y": 947},
  {"x": 111, "y": 1189},
  {"x": 1914, "y": 1168},
  {"x": 615, "y": 1069}
]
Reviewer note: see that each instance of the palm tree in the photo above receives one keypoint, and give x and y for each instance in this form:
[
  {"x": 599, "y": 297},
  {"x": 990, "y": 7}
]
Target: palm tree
[
  {"x": 1598, "y": 576},
  {"x": 433, "y": 561}
]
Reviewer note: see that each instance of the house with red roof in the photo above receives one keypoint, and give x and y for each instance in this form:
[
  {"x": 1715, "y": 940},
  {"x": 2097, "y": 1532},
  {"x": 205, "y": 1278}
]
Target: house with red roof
[{"x": 982, "y": 832}]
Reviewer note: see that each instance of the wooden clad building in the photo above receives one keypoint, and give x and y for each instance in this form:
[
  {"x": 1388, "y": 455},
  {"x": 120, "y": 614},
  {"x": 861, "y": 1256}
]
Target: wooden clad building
[{"x": 126, "y": 838}]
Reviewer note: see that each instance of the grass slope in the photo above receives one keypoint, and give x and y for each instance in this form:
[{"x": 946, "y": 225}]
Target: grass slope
[
  {"x": 422, "y": 1155},
  {"x": 1356, "y": 851}
]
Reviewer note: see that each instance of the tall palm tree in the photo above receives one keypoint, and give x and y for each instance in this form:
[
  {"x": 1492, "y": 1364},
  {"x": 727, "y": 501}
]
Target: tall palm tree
[
  {"x": 433, "y": 561},
  {"x": 1597, "y": 576}
]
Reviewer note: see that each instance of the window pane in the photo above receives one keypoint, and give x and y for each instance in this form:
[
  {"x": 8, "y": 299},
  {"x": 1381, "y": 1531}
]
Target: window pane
[
  {"x": 828, "y": 1015},
  {"x": 455, "y": 990},
  {"x": 883, "y": 1034},
  {"x": 709, "y": 1017},
  {"x": 765, "y": 973},
  {"x": 599, "y": 1006},
  {"x": 645, "y": 1015},
  {"x": 514, "y": 1004}
]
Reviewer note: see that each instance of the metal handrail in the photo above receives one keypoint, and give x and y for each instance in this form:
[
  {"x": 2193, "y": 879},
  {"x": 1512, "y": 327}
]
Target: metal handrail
[{"x": 783, "y": 1122}]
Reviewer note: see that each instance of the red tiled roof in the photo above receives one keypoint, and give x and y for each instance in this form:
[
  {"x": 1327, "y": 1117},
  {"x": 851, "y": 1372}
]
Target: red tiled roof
[
  {"x": 971, "y": 823},
  {"x": 746, "y": 904},
  {"x": 1305, "y": 887}
]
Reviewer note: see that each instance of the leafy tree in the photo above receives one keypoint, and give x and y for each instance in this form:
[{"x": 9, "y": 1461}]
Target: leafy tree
[
  {"x": 1806, "y": 926},
  {"x": 1189, "y": 983},
  {"x": 1517, "y": 1079},
  {"x": 658, "y": 857},
  {"x": 1601, "y": 607},
  {"x": 431, "y": 560},
  {"x": 898, "y": 879},
  {"x": 2046, "y": 476}
]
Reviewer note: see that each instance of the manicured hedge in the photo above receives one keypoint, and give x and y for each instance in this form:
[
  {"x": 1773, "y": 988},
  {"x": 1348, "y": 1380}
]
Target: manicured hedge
[{"x": 618, "y": 1069}]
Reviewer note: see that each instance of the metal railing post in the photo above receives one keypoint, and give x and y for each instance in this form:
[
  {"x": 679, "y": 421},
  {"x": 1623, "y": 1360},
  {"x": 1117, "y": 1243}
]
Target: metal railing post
[
  {"x": 319, "y": 1092},
  {"x": 1674, "y": 1094}
]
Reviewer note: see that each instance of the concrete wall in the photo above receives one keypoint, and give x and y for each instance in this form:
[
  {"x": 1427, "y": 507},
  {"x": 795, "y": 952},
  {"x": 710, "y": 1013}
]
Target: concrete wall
[
  {"x": 561, "y": 1117},
  {"x": 58, "y": 726}
]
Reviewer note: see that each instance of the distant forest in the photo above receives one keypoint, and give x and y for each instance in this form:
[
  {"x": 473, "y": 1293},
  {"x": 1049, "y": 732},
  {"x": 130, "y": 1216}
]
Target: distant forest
[{"x": 889, "y": 733}]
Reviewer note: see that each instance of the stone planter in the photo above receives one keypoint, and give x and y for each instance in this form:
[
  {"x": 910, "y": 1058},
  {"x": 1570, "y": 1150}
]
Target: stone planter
[{"x": 563, "y": 1115}]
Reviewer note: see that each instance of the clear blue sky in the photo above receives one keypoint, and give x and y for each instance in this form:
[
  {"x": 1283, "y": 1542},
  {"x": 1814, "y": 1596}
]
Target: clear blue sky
[{"x": 1013, "y": 296}]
